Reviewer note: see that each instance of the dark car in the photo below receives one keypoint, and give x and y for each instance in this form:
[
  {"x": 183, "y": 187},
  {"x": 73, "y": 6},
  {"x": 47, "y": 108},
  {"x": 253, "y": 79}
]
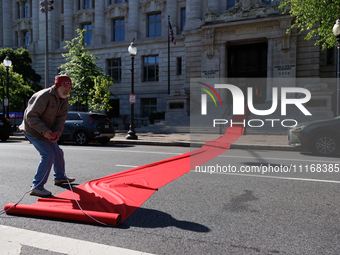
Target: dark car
[
  {"x": 321, "y": 137},
  {"x": 5, "y": 128},
  {"x": 83, "y": 127}
]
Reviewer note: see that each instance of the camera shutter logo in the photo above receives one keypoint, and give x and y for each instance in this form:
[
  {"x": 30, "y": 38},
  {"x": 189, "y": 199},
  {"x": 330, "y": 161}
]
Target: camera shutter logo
[{"x": 204, "y": 97}]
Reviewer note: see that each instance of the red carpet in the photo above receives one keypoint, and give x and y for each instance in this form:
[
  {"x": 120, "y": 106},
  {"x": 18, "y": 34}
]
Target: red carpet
[{"x": 114, "y": 198}]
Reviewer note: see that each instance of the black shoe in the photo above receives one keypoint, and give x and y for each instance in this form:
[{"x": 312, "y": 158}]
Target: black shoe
[{"x": 59, "y": 182}]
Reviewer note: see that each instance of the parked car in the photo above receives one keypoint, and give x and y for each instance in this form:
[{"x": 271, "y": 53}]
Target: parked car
[
  {"x": 5, "y": 128},
  {"x": 83, "y": 127},
  {"x": 321, "y": 137}
]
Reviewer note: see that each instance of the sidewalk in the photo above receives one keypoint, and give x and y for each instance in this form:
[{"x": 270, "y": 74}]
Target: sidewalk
[{"x": 185, "y": 139}]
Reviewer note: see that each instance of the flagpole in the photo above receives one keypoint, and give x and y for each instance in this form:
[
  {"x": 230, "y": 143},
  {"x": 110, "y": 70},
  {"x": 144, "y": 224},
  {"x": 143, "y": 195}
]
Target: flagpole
[{"x": 169, "y": 55}]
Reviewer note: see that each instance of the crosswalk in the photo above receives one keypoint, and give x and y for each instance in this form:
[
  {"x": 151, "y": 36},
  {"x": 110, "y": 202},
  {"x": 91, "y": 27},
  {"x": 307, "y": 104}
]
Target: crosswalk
[{"x": 12, "y": 240}]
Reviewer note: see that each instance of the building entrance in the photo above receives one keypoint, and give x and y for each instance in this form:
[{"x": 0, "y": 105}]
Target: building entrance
[{"x": 249, "y": 61}]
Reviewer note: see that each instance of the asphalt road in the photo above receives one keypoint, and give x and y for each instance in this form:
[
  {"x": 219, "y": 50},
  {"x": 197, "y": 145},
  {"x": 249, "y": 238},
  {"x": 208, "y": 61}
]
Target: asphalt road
[{"x": 241, "y": 202}]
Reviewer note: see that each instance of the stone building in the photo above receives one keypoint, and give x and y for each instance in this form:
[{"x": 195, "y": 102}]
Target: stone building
[{"x": 214, "y": 38}]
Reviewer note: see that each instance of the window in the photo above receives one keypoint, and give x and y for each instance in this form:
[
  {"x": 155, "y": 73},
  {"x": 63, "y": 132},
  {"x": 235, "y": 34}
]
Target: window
[
  {"x": 30, "y": 4},
  {"x": 73, "y": 116},
  {"x": 62, "y": 32},
  {"x": 330, "y": 56},
  {"x": 117, "y": 1},
  {"x": 88, "y": 33},
  {"x": 16, "y": 38},
  {"x": 26, "y": 10},
  {"x": 179, "y": 66},
  {"x": 18, "y": 9},
  {"x": 271, "y": 2},
  {"x": 118, "y": 31},
  {"x": 114, "y": 69},
  {"x": 150, "y": 68},
  {"x": 62, "y": 6},
  {"x": 87, "y": 4},
  {"x": 26, "y": 38},
  {"x": 230, "y": 3},
  {"x": 149, "y": 105},
  {"x": 154, "y": 25},
  {"x": 182, "y": 19}
]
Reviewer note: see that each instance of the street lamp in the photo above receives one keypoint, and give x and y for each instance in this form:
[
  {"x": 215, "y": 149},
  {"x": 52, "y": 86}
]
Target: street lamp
[
  {"x": 8, "y": 63},
  {"x": 132, "y": 99},
  {"x": 336, "y": 32},
  {"x": 46, "y": 6}
]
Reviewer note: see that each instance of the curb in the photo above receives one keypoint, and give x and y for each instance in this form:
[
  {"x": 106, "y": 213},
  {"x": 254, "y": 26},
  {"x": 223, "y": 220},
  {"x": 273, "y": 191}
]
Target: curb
[
  {"x": 194, "y": 145},
  {"x": 266, "y": 147},
  {"x": 139, "y": 142}
]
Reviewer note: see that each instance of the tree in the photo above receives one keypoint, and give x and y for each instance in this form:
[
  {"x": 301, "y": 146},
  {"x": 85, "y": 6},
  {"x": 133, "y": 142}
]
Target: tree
[
  {"x": 22, "y": 64},
  {"x": 18, "y": 89},
  {"x": 315, "y": 16},
  {"x": 100, "y": 95},
  {"x": 87, "y": 77}
]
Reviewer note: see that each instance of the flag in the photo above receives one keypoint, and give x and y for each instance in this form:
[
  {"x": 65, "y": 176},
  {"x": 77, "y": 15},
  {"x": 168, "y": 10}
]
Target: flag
[{"x": 171, "y": 33}]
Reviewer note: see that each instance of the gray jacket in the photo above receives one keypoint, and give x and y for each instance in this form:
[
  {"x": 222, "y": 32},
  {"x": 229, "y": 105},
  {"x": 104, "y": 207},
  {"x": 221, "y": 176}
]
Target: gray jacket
[{"x": 45, "y": 111}]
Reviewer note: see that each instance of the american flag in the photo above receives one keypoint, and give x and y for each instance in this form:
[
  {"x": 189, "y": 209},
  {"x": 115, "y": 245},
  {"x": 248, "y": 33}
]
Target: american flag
[{"x": 171, "y": 33}]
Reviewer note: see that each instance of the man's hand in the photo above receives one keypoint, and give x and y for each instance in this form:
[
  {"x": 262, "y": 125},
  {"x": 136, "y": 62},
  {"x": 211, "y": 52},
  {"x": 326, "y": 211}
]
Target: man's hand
[
  {"x": 53, "y": 137},
  {"x": 49, "y": 135}
]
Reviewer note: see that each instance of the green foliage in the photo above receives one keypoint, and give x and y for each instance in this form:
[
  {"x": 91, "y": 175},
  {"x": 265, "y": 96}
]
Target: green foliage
[
  {"x": 100, "y": 95},
  {"x": 22, "y": 64},
  {"x": 18, "y": 89},
  {"x": 87, "y": 77},
  {"x": 315, "y": 16}
]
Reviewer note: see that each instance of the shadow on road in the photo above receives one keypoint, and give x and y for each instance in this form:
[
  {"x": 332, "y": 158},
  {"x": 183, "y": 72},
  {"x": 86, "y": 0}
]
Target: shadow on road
[{"x": 149, "y": 218}]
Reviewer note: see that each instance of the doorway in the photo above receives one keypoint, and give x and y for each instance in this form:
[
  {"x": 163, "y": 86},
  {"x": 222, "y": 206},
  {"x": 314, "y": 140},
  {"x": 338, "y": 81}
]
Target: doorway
[{"x": 249, "y": 61}]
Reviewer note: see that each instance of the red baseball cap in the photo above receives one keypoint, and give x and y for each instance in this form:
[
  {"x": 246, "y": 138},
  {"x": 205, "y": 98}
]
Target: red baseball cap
[{"x": 61, "y": 80}]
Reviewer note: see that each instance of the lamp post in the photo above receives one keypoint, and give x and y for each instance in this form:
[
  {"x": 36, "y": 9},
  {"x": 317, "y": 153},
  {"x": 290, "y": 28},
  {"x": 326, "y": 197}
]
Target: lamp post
[
  {"x": 131, "y": 133},
  {"x": 46, "y": 6},
  {"x": 336, "y": 32},
  {"x": 8, "y": 63}
]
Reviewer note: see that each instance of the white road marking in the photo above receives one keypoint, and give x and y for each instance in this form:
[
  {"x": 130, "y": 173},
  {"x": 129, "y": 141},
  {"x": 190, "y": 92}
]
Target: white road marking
[
  {"x": 126, "y": 166},
  {"x": 10, "y": 248},
  {"x": 12, "y": 239},
  {"x": 173, "y": 153},
  {"x": 270, "y": 177},
  {"x": 254, "y": 175},
  {"x": 281, "y": 159}
]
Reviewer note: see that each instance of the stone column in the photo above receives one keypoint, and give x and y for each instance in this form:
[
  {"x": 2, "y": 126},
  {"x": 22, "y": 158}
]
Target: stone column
[
  {"x": 7, "y": 20},
  {"x": 223, "y": 60},
  {"x": 223, "y": 70},
  {"x": 42, "y": 33},
  {"x": 35, "y": 20},
  {"x": 172, "y": 11},
  {"x": 214, "y": 4},
  {"x": 68, "y": 20},
  {"x": 99, "y": 32},
  {"x": 193, "y": 13},
  {"x": 133, "y": 19}
]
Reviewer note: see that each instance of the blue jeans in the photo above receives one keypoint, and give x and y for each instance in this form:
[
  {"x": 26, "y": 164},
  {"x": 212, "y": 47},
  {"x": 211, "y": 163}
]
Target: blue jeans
[{"x": 51, "y": 154}]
